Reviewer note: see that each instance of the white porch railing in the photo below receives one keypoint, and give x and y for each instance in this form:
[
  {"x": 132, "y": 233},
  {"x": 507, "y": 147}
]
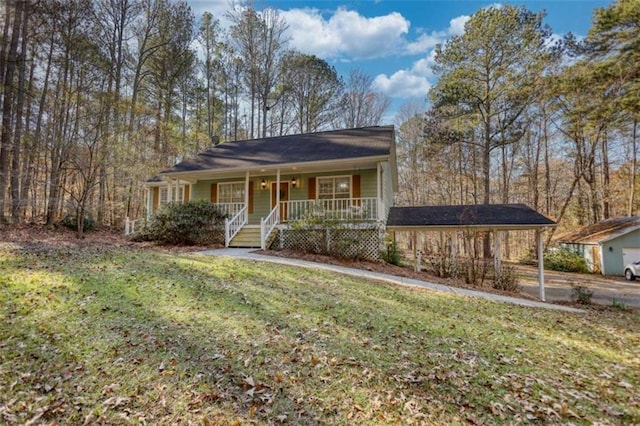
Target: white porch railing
[
  {"x": 267, "y": 224},
  {"x": 130, "y": 226},
  {"x": 232, "y": 226},
  {"x": 230, "y": 209},
  {"x": 342, "y": 209}
]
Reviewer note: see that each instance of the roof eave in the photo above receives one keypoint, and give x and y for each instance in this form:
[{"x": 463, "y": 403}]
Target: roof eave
[
  {"x": 619, "y": 234},
  {"x": 260, "y": 167}
]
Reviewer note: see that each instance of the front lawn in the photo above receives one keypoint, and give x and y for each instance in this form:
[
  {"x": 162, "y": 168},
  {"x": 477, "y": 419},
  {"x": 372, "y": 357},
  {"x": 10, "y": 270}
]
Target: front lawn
[{"x": 100, "y": 334}]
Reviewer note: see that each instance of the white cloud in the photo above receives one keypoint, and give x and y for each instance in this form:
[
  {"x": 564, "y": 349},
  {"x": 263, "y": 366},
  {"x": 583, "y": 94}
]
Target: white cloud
[
  {"x": 422, "y": 67},
  {"x": 217, "y": 8},
  {"x": 456, "y": 25},
  {"x": 427, "y": 41},
  {"x": 402, "y": 84},
  {"x": 415, "y": 81},
  {"x": 346, "y": 34},
  {"x": 408, "y": 83},
  {"x": 424, "y": 43}
]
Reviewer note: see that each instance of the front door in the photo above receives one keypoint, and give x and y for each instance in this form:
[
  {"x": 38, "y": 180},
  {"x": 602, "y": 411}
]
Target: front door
[
  {"x": 284, "y": 196},
  {"x": 596, "y": 259}
]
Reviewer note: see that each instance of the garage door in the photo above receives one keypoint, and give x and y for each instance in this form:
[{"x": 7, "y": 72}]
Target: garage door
[{"x": 630, "y": 255}]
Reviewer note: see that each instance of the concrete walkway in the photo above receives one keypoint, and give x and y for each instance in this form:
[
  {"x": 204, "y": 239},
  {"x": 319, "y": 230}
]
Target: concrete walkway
[{"x": 409, "y": 282}]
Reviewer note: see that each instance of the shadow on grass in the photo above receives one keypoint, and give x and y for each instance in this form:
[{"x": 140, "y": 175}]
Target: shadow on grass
[{"x": 127, "y": 335}]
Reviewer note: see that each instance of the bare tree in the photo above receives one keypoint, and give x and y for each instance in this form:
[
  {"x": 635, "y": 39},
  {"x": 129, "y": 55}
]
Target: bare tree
[{"x": 361, "y": 105}]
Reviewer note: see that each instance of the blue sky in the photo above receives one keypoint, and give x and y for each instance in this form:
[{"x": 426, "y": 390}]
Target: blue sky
[{"x": 393, "y": 40}]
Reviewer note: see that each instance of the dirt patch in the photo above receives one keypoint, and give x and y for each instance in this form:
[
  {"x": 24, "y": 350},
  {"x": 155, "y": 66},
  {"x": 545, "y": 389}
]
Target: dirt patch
[{"x": 36, "y": 238}]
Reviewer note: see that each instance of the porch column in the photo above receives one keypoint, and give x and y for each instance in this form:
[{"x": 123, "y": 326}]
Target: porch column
[
  {"x": 178, "y": 191},
  {"x": 379, "y": 191},
  {"x": 149, "y": 202},
  {"x": 540, "y": 266},
  {"x": 278, "y": 193},
  {"x": 246, "y": 191},
  {"x": 169, "y": 191}
]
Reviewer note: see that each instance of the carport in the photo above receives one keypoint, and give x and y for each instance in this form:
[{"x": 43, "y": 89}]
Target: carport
[{"x": 492, "y": 218}]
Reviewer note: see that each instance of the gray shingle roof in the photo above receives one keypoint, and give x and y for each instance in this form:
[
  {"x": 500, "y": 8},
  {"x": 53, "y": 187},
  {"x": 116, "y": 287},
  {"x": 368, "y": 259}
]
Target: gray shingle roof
[
  {"x": 475, "y": 215},
  {"x": 330, "y": 145}
]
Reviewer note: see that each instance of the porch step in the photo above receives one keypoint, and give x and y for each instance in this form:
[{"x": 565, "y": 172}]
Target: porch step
[{"x": 248, "y": 237}]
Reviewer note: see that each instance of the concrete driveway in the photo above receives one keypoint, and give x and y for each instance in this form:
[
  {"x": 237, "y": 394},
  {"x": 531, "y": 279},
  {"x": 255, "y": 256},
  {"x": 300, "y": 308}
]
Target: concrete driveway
[{"x": 558, "y": 286}]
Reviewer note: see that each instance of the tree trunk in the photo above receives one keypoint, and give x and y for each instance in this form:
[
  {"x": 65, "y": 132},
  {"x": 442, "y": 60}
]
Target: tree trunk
[
  {"x": 486, "y": 176},
  {"x": 6, "y": 142},
  {"x": 29, "y": 168},
  {"x": 3, "y": 49},
  {"x": 634, "y": 167},
  {"x": 547, "y": 170},
  {"x": 606, "y": 186},
  {"x": 17, "y": 140}
]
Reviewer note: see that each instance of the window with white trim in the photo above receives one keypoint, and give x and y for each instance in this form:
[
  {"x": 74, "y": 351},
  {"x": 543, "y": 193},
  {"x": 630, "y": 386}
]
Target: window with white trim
[
  {"x": 231, "y": 192},
  {"x": 175, "y": 195},
  {"x": 334, "y": 187}
]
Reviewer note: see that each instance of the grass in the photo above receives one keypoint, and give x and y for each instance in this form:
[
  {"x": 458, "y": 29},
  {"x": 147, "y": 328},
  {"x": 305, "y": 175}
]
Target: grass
[{"x": 120, "y": 335}]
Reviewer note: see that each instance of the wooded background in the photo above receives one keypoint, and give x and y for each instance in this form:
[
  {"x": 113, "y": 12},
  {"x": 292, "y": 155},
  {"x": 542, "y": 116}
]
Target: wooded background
[{"x": 98, "y": 96}]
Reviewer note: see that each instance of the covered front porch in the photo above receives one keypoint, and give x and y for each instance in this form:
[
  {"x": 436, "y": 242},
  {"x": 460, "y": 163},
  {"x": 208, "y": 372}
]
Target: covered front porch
[{"x": 260, "y": 200}]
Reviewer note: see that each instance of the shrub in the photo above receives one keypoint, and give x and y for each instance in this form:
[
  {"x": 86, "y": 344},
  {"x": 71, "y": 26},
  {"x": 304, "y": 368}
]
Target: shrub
[
  {"x": 391, "y": 254},
  {"x": 616, "y": 304},
  {"x": 506, "y": 280},
  {"x": 581, "y": 294},
  {"x": 565, "y": 261},
  {"x": 189, "y": 223},
  {"x": 71, "y": 222},
  {"x": 530, "y": 258}
]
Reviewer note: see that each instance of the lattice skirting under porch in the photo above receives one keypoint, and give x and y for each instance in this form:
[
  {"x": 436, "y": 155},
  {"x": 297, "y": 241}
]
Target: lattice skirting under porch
[{"x": 352, "y": 242}]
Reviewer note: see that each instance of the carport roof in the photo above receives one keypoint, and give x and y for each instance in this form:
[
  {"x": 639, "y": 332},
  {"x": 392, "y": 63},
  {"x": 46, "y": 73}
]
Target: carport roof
[{"x": 476, "y": 216}]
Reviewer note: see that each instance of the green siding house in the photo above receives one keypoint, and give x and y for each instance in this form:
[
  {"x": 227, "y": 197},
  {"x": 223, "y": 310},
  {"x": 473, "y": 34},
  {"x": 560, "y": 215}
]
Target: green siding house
[
  {"x": 607, "y": 245},
  {"x": 263, "y": 185}
]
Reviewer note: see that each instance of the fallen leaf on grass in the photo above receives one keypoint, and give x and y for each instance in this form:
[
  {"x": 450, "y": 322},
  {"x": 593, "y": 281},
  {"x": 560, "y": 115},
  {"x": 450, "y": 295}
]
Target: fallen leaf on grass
[
  {"x": 116, "y": 401},
  {"x": 613, "y": 412},
  {"x": 625, "y": 385},
  {"x": 110, "y": 388}
]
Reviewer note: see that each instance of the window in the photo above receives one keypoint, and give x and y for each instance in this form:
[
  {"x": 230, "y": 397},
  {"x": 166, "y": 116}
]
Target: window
[
  {"x": 164, "y": 195},
  {"x": 334, "y": 187},
  {"x": 176, "y": 195},
  {"x": 232, "y": 192}
]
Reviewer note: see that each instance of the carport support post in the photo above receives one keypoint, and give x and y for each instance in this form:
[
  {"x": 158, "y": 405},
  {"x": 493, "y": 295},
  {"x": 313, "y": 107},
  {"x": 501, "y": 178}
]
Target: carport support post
[
  {"x": 540, "y": 266},
  {"x": 497, "y": 254}
]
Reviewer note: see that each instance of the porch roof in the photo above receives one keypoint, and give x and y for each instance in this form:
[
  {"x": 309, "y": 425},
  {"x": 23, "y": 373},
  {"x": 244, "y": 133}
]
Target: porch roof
[
  {"x": 476, "y": 216},
  {"x": 337, "y": 145}
]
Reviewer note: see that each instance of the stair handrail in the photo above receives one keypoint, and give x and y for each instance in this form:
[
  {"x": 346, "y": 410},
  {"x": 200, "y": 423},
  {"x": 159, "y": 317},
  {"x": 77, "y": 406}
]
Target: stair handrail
[
  {"x": 267, "y": 224},
  {"x": 234, "y": 225},
  {"x": 130, "y": 226}
]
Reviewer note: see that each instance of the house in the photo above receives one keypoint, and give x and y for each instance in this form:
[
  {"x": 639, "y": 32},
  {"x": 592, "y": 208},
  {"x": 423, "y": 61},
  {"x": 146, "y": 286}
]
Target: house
[
  {"x": 607, "y": 245},
  {"x": 339, "y": 183},
  {"x": 348, "y": 176}
]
